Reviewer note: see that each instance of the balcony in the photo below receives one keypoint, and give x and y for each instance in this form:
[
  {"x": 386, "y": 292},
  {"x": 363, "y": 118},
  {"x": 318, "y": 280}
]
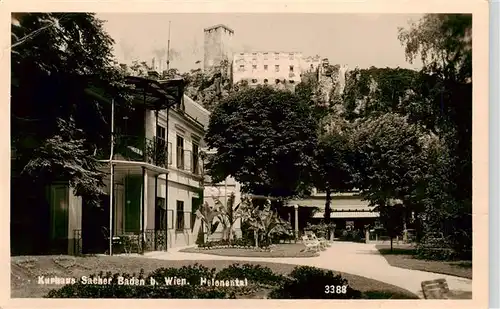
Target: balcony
[{"x": 141, "y": 149}]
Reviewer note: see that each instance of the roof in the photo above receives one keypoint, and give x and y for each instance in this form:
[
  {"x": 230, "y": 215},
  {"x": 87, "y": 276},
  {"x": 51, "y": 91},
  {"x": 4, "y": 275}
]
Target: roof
[
  {"x": 336, "y": 203},
  {"x": 153, "y": 94},
  {"x": 196, "y": 111},
  {"x": 219, "y": 26},
  {"x": 348, "y": 214}
]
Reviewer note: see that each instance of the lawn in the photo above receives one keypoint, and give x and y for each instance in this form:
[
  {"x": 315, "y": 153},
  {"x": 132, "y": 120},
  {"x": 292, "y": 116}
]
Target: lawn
[
  {"x": 279, "y": 251},
  {"x": 403, "y": 256},
  {"x": 25, "y": 271}
]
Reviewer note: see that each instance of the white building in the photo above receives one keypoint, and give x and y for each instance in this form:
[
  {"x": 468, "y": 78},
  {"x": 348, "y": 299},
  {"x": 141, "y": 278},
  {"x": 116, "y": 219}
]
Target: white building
[
  {"x": 267, "y": 68},
  {"x": 157, "y": 177}
]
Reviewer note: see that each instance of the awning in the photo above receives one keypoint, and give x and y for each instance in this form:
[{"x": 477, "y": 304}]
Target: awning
[
  {"x": 348, "y": 214},
  {"x": 337, "y": 202},
  {"x": 134, "y": 167}
]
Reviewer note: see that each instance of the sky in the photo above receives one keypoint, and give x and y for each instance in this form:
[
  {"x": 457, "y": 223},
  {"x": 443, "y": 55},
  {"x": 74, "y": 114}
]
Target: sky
[{"x": 355, "y": 40}]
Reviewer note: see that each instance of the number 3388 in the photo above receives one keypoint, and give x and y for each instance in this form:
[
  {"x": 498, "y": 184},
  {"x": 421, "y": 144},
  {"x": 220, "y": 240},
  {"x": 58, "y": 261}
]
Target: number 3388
[{"x": 335, "y": 289}]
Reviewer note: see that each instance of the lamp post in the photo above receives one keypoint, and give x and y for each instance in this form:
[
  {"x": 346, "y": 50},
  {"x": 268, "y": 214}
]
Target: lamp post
[{"x": 112, "y": 177}]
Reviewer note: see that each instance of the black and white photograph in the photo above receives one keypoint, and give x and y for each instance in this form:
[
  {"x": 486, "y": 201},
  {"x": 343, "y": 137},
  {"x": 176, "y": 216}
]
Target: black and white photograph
[{"x": 241, "y": 155}]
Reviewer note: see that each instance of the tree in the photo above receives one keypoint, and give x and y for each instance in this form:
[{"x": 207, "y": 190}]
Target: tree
[
  {"x": 443, "y": 103},
  {"x": 58, "y": 119},
  {"x": 390, "y": 160},
  {"x": 332, "y": 169},
  {"x": 393, "y": 219},
  {"x": 265, "y": 139}
]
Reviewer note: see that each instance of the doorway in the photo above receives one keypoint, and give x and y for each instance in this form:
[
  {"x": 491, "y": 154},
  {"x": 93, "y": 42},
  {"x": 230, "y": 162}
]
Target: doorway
[{"x": 95, "y": 224}]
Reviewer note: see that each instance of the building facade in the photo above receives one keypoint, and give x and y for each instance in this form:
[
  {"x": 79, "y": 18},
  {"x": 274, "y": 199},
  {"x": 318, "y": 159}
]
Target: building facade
[
  {"x": 310, "y": 63},
  {"x": 217, "y": 46},
  {"x": 348, "y": 210},
  {"x": 267, "y": 68},
  {"x": 153, "y": 183}
]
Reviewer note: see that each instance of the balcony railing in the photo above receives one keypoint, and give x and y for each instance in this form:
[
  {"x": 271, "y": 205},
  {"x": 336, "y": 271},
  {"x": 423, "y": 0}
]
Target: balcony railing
[{"x": 135, "y": 148}]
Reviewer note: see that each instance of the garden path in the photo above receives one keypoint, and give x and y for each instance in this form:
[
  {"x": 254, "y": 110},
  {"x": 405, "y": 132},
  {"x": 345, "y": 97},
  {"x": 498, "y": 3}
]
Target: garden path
[{"x": 353, "y": 258}]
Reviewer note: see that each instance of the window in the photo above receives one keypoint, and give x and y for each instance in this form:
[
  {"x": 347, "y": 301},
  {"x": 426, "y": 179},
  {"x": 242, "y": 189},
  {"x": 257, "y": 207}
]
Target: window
[
  {"x": 265, "y": 56},
  {"x": 312, "y": 67},
  {"x": 195, "y": 165},
  {"x": 265, "y": 67},
  {"x": 180, "y": 152},
  {"x": 254, "y": 81},
  {"x": 277, "y": 56},
  {"x": 179, "y": 226},
  {"x": 290, "y": 56},
  {"x": 161, "y": 155},
  {"x": 265, "y": 81},
  {"x": 254, "y": 67},
  {"x": 291, "y": 81},
  {"x": 277, "y": 68},
  {"x": 242, "y": 67},
  {"x": 160, "y": 132},
  {"x": 161, "y": 211},
  {"x": 277, "y": 81},
  {"x": 291, "y": 68},
  {"x": 254, "y": 56}
]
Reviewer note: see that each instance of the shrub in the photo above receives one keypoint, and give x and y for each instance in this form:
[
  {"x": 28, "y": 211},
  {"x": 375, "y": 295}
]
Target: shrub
[
  {"x": 80, "y": 290},
  {"x": 254, "y": 273},
  {"x": 193, "y": 289},
  {"x": 439, "y": 248},
  {"x": 310, "y": 283},
  {"x": 191, "y": 273},
  {"x": 302, "y": 283}
]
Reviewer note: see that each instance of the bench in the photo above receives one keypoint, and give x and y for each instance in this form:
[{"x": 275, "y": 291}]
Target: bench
[{"x": 436, "y": 289}]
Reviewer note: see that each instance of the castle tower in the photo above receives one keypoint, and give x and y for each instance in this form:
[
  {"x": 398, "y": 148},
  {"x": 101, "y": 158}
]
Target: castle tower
[{"x": 217, "y": 46}]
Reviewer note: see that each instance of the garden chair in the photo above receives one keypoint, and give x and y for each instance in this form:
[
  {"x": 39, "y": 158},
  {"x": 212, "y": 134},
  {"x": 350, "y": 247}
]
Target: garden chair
[
  {"x": 325, "y": 243},
  {"x": 312, "y": 237},
  {"x": 131, "y": 241},
  {"x": 436, "y": 289},
  {"x": 311, "y": 245},
  {"x": 116, "y": 239}
]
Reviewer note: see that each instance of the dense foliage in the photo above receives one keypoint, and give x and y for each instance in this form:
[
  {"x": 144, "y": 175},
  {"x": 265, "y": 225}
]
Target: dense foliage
[
  {"x": 444, "y": 44},
  {"x": 61, "y": 66},
  {"x": 265, "y": 139}
]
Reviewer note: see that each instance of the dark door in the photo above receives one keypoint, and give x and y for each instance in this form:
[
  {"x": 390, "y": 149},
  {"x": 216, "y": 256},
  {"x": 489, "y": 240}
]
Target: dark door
[{"x": 95, "y": 226}]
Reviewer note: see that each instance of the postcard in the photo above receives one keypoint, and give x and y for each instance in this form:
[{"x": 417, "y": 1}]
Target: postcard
[{"x": 225, "y": 152}]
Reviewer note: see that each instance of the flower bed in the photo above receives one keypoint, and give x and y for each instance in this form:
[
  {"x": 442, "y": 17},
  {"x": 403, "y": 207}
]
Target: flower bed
[
  {"x": 235, "y": 244},
  {"x": 273, "y": 251}
]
